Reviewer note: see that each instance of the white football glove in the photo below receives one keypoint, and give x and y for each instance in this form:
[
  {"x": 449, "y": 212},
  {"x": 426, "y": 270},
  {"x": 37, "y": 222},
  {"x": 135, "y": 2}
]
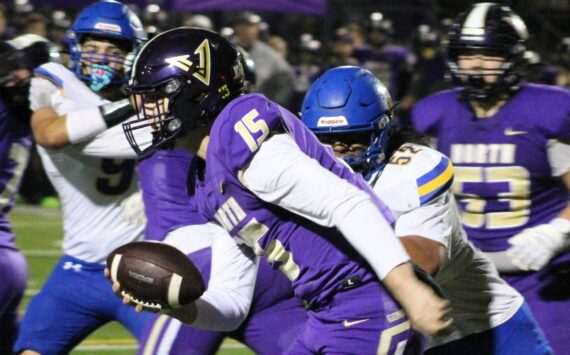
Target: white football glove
[{"x": 533, "y": 248}]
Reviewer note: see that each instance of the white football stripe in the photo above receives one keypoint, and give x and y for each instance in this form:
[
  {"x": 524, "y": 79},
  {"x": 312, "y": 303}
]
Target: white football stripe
[
  {"x": 174, "y": 291},
  {"x": 474, "y": 24},
  {"x": 115, "y": 266}
]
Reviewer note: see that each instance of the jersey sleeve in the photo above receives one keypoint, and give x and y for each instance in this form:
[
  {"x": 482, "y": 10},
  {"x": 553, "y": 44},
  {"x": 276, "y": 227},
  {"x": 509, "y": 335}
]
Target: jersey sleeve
[
  {"x": 414, "y": 176},
  {"x": 241, "y": 128},
  {"x": 41, "y": 93},
  {"x": 415, "y": 186},
  {"x": 559, "y": 157},
  {"x": 553, "y": 116},
  {"x": 426, "y": 114}
]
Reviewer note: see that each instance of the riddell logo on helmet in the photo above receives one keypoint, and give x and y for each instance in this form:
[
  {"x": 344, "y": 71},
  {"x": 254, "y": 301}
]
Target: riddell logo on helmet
[
  {"x": 332, "y": 121},
  {"x": 107, "y": 27}
]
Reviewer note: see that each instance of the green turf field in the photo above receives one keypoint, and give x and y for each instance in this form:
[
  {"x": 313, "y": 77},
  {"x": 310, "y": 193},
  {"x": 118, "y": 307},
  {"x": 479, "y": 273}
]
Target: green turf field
[{"x": 39, "y": 233}]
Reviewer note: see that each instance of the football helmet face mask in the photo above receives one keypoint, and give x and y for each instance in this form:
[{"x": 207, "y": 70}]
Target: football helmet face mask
[
  {"x": 491, "y": 30},
  {"x": 350, "y": 106},
  {"x": 109, "y": 21},
  {"x": 181, "y": 81}
]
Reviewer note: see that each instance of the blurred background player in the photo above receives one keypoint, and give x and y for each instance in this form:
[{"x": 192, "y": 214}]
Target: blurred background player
[
  {"x": 506, "y": 140},
  {"x": 284, "y": 197},
  {"x": 15, "y": 146},
  {"x": 96, "y": 192},
  {"x": 275, "y": 317},
  {"x": 414, "y": 181}
]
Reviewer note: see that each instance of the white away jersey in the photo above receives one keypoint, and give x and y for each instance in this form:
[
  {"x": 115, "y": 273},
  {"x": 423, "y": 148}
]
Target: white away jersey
[
  {"x": 94, "y": 191},
  {"x": 415, "y": 186}
]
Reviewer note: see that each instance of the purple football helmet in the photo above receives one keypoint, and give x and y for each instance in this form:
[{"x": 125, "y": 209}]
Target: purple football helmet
[
  {"x": 181, "y": 80},
  {"x": 491, "y": 29}
]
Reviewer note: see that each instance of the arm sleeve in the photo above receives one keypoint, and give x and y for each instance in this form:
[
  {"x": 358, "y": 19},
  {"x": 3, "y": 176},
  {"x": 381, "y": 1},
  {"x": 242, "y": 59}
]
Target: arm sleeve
[
  {"x": 227, "y": 301},
  {"x": 559, "y": 157},
  {"x": 112, "y": 143},
  {"x": 430, "y": 221},
  {"x": 281, "y": 174}
]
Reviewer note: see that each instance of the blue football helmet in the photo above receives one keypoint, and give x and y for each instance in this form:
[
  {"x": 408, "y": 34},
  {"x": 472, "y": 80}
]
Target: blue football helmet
[
  {"x": 349, "y": 103},
  {"x": 491, "y": 29},
  {"x": 105, "y": 20}
]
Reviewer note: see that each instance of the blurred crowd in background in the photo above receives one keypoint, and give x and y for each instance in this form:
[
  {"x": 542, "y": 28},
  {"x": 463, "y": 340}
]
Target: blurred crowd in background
[{"x": 401, "y": 42}]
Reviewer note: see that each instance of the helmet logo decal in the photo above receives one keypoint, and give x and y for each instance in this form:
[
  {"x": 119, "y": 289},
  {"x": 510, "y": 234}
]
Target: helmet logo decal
[
  {"x": 474, "y": 24},
  {"x": 108, "y": 27},
  {"x": 183, "y": 62},
  {"x": 332, "y": 121},
  {"x": 203, "y": 73},
  {"x": 180, "y": 61}
]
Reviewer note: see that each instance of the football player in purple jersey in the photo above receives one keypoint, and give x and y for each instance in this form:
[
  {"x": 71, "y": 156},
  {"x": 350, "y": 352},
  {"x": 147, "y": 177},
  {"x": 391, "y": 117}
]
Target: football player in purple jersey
[
  {"x": 276, "y": 316},
  {"x": 15, "y": 146},
  {"x": 265, "y": 179},
  {"x": 508, "y": 141}
]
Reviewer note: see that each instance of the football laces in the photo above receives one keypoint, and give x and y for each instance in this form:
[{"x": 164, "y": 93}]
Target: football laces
[{"x": 144, "y": 304}]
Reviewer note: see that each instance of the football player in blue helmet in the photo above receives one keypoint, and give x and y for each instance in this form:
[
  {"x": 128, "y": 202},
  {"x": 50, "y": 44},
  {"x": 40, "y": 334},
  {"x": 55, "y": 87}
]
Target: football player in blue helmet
[
  {"x": 485, "y": 52},
  {"x": 348, "y": 108},
  {"x": 103, "y": 41}
]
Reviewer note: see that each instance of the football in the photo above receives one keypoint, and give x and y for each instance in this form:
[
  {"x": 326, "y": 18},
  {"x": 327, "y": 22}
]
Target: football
[{"x": 156, "y": 275}]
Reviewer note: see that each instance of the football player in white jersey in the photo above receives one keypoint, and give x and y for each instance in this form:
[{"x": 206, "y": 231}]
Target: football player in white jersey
[
  {"x": 72, "y": 111},
  {"x": 351, "y": 110}
]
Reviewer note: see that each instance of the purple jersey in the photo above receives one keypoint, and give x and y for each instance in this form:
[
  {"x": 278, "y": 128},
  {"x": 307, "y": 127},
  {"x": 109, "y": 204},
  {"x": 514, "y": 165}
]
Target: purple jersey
[
  {"x": 317, "y": 260},
  {"x": 162, "y": 178},
  {"x": 15, "y": 146},
  {"x": 503, "y": 179}
]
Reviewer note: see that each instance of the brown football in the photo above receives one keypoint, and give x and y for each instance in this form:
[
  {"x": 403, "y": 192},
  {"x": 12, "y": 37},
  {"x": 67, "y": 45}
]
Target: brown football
[{"x": 156, "y": 275}]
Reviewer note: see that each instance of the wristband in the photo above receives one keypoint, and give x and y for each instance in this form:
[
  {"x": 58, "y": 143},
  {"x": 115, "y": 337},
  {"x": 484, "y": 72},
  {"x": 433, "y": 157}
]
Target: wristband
[{"x": 116, "y": 112}]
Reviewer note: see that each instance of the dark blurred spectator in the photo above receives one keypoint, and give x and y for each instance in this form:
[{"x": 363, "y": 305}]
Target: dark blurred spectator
[
  {"x": 6, "y": 32},
  {"x": 390, "y": 63},
  {"x": 201, "y": 21},
  {"x": 35, "y": 50},
  {"x": 306, "y": 70},
  {"x": 279, "y": 45},
  {"x": 274, "y": 74},
  {"x": 36, "y": 23},
  {"x": 342, "y": 49},
  {"x": 430, "y": 68}
]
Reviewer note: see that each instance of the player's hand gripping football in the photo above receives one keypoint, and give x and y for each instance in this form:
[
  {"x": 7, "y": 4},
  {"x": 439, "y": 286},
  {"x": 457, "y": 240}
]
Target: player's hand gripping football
[
  {"x": 153, "y": 276},
  {"x": 428, "y": 313}
]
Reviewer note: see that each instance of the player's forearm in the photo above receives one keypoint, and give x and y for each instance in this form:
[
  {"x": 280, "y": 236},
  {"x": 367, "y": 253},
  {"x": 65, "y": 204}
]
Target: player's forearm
[
  {"x": 53, "y": 131},
  {"x": 49, "y": 130},
  {"x": 425, "y": 253},
  {"x": 369, "y": 233}
]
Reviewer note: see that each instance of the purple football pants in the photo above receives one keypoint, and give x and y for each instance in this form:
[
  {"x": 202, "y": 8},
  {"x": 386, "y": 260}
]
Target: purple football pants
[
  {"x": 14, "y": 276},
  {"x": 364, "y": 320}
]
